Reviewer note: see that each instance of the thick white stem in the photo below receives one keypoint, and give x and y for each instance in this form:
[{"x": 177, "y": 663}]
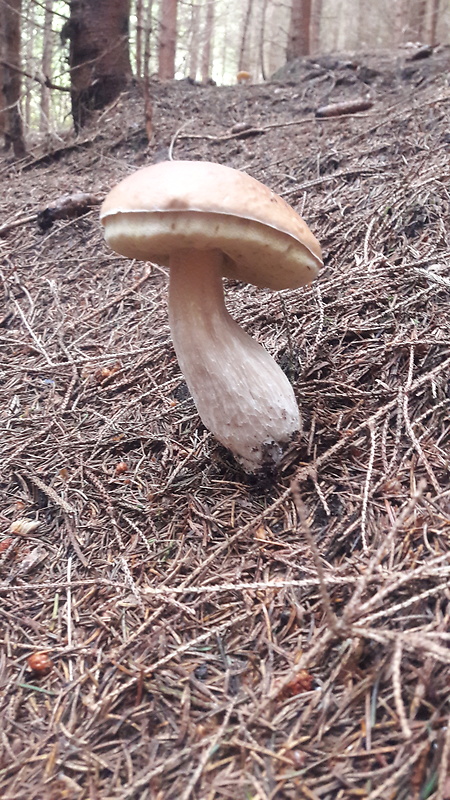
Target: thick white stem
[{"x": 241, "y": 394}]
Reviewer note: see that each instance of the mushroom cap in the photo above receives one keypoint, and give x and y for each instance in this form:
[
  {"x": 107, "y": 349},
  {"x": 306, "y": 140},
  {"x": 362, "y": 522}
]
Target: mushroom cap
[{"x": 178, "y": 205}]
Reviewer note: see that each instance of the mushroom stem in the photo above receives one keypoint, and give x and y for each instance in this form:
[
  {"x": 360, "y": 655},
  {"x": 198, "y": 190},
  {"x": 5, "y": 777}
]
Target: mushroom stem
[{"x": 241, "y": 394}]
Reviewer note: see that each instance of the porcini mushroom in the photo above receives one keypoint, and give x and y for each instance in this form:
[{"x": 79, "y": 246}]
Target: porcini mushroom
[{"x": 206, "y": 221}]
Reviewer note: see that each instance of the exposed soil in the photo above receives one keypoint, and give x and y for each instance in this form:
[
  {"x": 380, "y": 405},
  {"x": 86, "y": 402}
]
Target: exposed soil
[{"x": 211, "y": 634}]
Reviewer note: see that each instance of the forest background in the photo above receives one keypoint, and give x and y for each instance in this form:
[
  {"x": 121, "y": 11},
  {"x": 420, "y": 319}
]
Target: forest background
[{"x": 60, "y": 61}]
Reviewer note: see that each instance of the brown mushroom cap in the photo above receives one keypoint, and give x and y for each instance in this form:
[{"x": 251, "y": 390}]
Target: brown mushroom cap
[{"x": 179, "y": 205}]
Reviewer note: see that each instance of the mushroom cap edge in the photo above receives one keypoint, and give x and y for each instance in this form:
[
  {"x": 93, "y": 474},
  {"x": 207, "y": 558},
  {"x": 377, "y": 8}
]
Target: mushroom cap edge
[{"x": 176, "y": 205}]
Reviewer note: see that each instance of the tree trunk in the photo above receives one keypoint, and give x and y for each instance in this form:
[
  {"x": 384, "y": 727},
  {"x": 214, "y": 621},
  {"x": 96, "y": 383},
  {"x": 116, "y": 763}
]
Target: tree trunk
[
  {"x": 316, "y": 23},
  {"x": 416, "y": 20},
  {"x": 243, "y": 62},
  {"x": 2, "y": 83},
  {"x": 148, "y": 105},
  {"x": 28, "y": 31},
  {"x": 167, "y": 39},
  {"x": 147, "y": 42},
  {"x": 3, "y": 103},
  {"x": 262, "y": 41},
  {"x": 399, "y": 22},
  {"x": 10, "y": 27},
  {"x": 208, "y": 35},
  {"x": 194, "y": 41},
  {"x": 275, "y": 53},
  {"x": 224, "y": 46},
  {"x": 99, "y": 54},
  {"x": 422, "y": 21},
  {"x": 139, "y": 37},
  {"x": 47, "y": 52},
  {"x": 148, "y": 30},
  {"x": 434, "y": 21},
  {"x": 299, "y": 42}
]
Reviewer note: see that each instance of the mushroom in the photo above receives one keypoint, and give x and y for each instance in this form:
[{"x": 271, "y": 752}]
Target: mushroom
[{"x": 205, "y": 221}]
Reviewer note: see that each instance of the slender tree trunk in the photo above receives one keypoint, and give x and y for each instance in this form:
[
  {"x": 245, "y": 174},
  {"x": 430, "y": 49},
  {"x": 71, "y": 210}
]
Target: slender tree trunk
[
  {"x": 167, "y": 39},
  {"x": 243, "y": 61},
  {"x": 275, "y": 53},
  {"x": 12, "y": 84},
  {"x": 3, "y": 103},
  {"x": 416, "y": 20},
  {"x": 148, "y": 30},
  {"x": 434, "y": 21},
  {"x": 338, "y": 15},
  {"x": 422, "y": 17},
  {"x": 148, "y": 106},
  {"x": 99, "y": 54},
  {"x": 194, "y": 41},
  {"x": 207, "y": 40},
  {"x": 225, "y": 50},
  {"x": 299, "y": 41},
  {"x": 262, "y": 41},
  {"x": 47, "y": 52},
  {"x": 2, "y": 82},
  {"x": 399, "y": 21},
  {"x": 139, "y": 37},
  {"x": 316, "y": 24},
  {"x": 27, "y": 52}
]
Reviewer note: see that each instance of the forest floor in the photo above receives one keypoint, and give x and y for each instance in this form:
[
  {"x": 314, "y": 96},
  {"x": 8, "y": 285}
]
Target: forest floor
[{"x": 209, "y": 634}]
